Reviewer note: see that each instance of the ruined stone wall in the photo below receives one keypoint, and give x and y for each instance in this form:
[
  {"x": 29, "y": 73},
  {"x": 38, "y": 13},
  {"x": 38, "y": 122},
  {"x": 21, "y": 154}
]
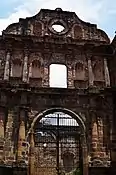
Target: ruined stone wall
[
  {"x": 22, "y": 99},
  {"x": 27, "y": 49},
  {"x": 83, "y": 69},
  {"x": 15, "y": 122}
]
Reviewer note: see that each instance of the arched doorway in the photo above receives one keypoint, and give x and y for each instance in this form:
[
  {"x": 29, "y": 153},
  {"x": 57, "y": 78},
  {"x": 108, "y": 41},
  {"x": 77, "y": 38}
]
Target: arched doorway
[{"x": 57, "y": 143}]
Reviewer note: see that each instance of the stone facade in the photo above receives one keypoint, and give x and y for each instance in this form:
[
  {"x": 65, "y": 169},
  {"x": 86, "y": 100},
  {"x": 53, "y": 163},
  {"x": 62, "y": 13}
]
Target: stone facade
[{"x": 27, "y": 49}]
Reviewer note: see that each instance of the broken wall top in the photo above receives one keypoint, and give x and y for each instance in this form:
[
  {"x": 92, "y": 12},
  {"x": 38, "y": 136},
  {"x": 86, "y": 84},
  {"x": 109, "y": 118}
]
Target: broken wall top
[{"x": 44, "y": 22}]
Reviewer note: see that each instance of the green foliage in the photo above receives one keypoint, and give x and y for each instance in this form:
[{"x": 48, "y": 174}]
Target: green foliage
[{"x": 77, "y": 172}]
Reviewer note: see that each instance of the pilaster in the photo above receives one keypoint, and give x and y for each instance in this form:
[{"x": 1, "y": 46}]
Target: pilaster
[
  {"x": 22, "y": 144},
  {"x": 70, "y": 81},
  {"x": 45, "y": 80},
  {"x": 7, "y": 66},
  {"x": 2, "y": 116},
  {"x": 94, "y": 140},
  {"x": 90, "y": 71},
  {"x": 101, "y": 147},
  {"x": 31, "y": 155},
  {"x": 106, "y": 72},
  {"x": 9, "y": 155},
  {"x": 25, "y": 67},
  {"x": 30, "y": 70}
]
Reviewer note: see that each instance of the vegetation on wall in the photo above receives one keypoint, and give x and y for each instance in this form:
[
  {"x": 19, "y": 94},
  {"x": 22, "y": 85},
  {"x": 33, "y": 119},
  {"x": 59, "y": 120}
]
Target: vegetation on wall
[{"x": 77, "y": 172}]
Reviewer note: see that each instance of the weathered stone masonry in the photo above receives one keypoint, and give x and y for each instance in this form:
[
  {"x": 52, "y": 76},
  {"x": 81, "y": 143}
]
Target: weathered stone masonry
[{"x": 27, "y": 49}]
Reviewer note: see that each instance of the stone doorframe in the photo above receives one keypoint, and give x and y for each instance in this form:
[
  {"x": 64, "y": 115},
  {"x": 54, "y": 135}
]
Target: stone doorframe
[{"x": 77, "y": 117}]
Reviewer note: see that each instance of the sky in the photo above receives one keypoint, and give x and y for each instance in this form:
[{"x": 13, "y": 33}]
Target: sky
[
  {"x": 100, "y": 12},
  {"x": 58, "y": 75}
]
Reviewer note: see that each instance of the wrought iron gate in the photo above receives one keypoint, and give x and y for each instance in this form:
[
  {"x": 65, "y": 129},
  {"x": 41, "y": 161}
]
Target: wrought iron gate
[{"x": 57, "y": 144}]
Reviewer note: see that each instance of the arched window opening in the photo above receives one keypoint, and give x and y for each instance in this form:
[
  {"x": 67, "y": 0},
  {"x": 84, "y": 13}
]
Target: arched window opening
[
  {"x": 80, "y": 72},
  {"x": 36, "y": 69},
  {"x": 16, "y": 68},
  {"x": 58, "y": 75}
]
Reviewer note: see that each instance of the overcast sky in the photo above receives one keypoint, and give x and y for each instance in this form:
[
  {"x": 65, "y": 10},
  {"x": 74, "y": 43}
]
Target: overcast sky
[{"x": 100, "y": 12}]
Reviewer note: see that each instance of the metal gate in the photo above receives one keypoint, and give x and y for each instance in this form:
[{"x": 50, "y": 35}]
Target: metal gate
[{"x": 57, "y": 145}]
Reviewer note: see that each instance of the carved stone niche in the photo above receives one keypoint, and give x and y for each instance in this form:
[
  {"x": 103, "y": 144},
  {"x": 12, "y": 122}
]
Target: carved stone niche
[
  {"x": 98, "y": 72},
  {"x": 80, "y": 80},
  {"x": 37, "y": 28},
  {"x": 16, "y": 68},
  {"x": 78, "y": 33}
]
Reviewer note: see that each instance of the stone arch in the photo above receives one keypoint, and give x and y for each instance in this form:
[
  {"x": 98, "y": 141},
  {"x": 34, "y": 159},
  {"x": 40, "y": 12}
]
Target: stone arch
[
  {"x": 75, "y": 116},
  {"x": 66, "y": 111}
]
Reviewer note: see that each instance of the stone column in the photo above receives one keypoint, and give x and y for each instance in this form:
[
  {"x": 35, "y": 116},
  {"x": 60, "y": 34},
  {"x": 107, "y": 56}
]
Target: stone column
[
  {"x": 45, "y": 79},
  {"x": 106, "y": 72},
  {"x": 113, "y": 136},
  {"x": 9, "y": 144},
  {"x": 30, "y": 70},
  {"x": 25, "y": 68},
  {"x": 85, "y": 154},
  {"x": 0, "y": 62},
  {"x": 22, "y": 146},
  {"x": 90, "y": 72},
  {"x": 1, "y": 128},
  {"x": 113, "y": 153},
  {"x": 31, "y": 155},
  {"x": 94, "y": 140},
  {"x": 1, "y": 136},
  {"x": 74, "y": 72},
  {"x": 100, "y": 133},
  {"x": 7, "y": 67},
  {"x": 11, "y": 70},
  {"x": 70, "y": 81}
]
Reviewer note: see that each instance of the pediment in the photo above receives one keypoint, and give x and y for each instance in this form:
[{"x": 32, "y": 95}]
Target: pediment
[{"x": 42, "y": 24}]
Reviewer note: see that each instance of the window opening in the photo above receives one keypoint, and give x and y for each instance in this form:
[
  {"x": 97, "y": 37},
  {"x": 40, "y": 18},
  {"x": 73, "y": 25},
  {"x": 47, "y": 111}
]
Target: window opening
[
  {"x": 58, "y": 28},
  {"x": 58, "y": 76}
]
